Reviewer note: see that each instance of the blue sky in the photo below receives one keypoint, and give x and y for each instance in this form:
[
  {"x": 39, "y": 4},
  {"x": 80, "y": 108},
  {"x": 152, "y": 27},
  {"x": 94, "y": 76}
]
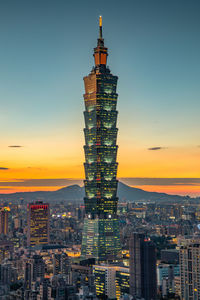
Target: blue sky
[{"x": 46, "y": 49}]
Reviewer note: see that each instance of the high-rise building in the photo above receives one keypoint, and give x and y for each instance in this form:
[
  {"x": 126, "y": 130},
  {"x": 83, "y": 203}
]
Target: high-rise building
[
  {"x": 166, "y": 270},
  {"x": 4, "y": 211},
  {"x": 34, "y": 268},
  {"x": 6, "y": 250},
  {"x": 101, "y": 226},
  {"x": 8, "y": 274},
  {"x": 43, "y": 289},
  {"x": 111, "y": 281},
  {"x": 142, "y": 267},
  {"x": 166, "y": 275},
  {"x": 122, "y": 282},
  {"x": 38, "y": 223},
  {"x": 61, "y": 264},
  {"x": 190, "y": 271},
  {"x": 60, "y": 290}
]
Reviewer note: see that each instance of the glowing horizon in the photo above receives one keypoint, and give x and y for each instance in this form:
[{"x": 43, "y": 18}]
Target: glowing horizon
[{"x": 184, "y": 187}]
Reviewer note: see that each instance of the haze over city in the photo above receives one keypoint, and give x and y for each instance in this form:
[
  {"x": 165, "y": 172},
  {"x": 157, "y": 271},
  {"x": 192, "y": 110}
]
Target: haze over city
[{"x": 154, "y": 48}]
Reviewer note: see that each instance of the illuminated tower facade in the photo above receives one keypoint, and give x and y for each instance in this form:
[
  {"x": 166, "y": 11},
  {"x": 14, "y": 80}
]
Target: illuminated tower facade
[
  {"x": 101, "y": 225},
  {"x": 4, "y": 211},
  {"x": 38, "y": 223}
]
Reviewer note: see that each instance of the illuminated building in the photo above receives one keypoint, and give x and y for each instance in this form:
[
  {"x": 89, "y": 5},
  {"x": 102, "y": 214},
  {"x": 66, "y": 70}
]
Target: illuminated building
[
  {"x": 142, "y": 267},
  {"x": 38, "y": 223},
  {"x": 190, "y": 271},
  {"x": 111, "y": 281},
  {"x": 122, "y": 282},
  {"x": 101, "y": 226},
  {"x": 4, "y": 220}
]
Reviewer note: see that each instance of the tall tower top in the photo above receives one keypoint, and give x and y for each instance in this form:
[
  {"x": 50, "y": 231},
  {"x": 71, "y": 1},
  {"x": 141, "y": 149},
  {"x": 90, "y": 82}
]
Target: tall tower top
[
  {"x": 100, "y": 28},
  {"x": 100, "y": 21},
  {"x": 100, "y": 52}
]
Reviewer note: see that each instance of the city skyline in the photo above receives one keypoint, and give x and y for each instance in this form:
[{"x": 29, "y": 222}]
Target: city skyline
[{"x": 155, "y": 50}]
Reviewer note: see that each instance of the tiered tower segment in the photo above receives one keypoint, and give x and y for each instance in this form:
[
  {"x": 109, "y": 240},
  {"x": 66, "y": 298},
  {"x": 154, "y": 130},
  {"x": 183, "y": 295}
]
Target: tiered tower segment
[{"x": 101, "y": 226}]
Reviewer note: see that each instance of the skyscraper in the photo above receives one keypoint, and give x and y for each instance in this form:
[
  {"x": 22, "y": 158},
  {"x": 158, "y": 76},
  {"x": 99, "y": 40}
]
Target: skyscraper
[
  {"x": 101, "y": 226},
  {"x": 190, "y": 271},
  {"x": 4, "y": 220},
  {"x": 34, "y": 268},
  {"x": 38, "y": 223},
  {"x": 61, "y": 264},
  {"x": 142, "y": 267}
]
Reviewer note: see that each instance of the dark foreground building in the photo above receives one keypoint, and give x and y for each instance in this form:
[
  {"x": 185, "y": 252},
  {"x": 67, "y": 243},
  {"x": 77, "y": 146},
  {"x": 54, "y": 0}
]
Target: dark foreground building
[
  {"x": 101, "y": 226},
  {"x": 142, "y": 268},
  {"x": 4, "y": 211}
]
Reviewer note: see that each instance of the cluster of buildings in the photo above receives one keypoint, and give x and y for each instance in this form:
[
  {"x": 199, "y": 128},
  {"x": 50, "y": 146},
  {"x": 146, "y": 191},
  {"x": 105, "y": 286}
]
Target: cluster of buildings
[
  {"x": 42, "y": 269},
  {"x": 101, "y": 250}
]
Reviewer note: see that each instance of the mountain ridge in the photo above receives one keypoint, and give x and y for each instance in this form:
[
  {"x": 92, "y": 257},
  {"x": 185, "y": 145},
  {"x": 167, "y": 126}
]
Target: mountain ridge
[{"x": 75, "y": 193}]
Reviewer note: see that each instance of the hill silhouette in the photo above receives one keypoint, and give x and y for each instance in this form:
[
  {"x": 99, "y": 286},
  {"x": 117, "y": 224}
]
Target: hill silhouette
[{"x": 75, "y": 193}]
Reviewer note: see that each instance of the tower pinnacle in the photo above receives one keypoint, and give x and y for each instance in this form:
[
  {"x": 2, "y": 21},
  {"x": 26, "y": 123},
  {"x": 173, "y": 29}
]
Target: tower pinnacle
[
  {"x": 100, "y": 52},
  {"x": 100, "y": 28}
]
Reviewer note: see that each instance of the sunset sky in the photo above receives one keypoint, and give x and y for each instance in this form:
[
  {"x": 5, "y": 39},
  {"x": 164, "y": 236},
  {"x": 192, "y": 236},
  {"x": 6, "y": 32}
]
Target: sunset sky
[{"x": 46, "y": 47}]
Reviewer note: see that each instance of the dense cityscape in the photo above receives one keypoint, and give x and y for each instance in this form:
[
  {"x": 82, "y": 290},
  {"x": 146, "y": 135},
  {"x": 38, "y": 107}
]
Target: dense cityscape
[
  {"x": 105, "y": 239},
  {"x": 40, "y": 251}
]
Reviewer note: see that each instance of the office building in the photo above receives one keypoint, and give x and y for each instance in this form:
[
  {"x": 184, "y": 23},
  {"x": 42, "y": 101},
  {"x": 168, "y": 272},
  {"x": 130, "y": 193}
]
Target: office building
[
  {"x": 166, "y": 275},
  {"x": 142, "y": 267},
  {"x": 4, "y": 211},
  {"x": 6, "y": 250},
  {"x": 38, "y": 223},
  {"x": 34, "y": 269},
  {"x": 101, "y": 225},
  {"x": 60, "y": 290},
  {"x": 190, "y": 271},
  {"x": 122, "y": 282},
  {"x": 61, "y": 264},
  {"x": 170, "y": 256},
  {"x": 8, "y": 274},
  {"x": 111, "y": 281},
  {"x": 166, "y": 270}
]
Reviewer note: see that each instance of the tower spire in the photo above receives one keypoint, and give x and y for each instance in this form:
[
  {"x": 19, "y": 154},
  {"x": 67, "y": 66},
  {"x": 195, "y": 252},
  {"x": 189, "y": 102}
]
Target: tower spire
[
  {"x": 100, "y": 28},
  {"x": 100, "y": 52}
]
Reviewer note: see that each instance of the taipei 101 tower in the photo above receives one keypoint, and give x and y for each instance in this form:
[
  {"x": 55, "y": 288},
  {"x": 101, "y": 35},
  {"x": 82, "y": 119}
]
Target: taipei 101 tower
[{"x": 101, "y": 234}]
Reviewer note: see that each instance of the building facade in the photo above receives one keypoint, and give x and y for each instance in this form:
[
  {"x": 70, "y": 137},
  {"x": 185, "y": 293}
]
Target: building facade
[
  {"x": 61, "y": 264},
  {"x": 101, "y": 226},
  {"x": 38, "y": 224},
  {"x": 167, "y": 271},
  {"x": 143, "y": 282},
  {"x": 34, "y": 268},
  {"x": 190, "y": 271},
  {"x": 166, "y": 276},
  {"x": 111, "y": 281},
  {"x": 4, "y": 211}
]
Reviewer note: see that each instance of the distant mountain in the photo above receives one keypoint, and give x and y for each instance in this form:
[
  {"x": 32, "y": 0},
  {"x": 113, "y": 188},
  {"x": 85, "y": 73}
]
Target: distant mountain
[
  {"x": 131, "y": 194},
  {"x": 75, "y": 193},
  {"x": 70, "y": 193}
]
